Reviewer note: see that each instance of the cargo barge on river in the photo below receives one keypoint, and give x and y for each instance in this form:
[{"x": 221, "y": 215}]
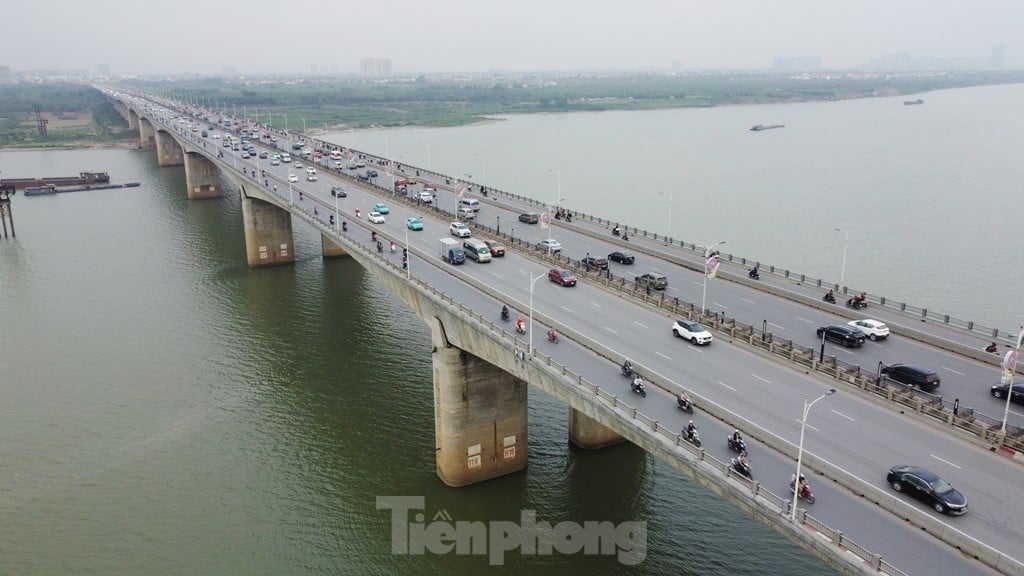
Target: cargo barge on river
[
  {"x": 759, "y": 127},
  {"x": 83, "y": 179},
  {"x": 50, "y": 189}
]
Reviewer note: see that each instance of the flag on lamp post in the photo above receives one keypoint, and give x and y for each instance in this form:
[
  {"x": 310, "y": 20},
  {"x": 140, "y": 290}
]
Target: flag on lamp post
[
  {"x": 460, "y": 189},
  {"x": 712, "y": 265}
]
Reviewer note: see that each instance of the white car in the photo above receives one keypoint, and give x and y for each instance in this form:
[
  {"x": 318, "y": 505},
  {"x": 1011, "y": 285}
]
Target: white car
[
  {"x": 550, "y": 244},
  {"x": 426, "y": 197},
  {"x": 298, "y": 165},
  {"x": 310, "y": 177},
  {"x": 695, "y": 332},
  {"x": 293, "y": 178},
  {"x": 459, "y": 229},
  {"x": 310, "y": 170},
  {"x": 375, "y": 217},
  {"x": 873, "y": 328}
]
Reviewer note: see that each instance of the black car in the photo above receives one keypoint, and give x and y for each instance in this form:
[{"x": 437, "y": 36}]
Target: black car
[
  {"x": 529, "y": 218},
  {"x": 339, "y": 192},
  {"x": 592, "y": 262},
  {"x": 363, "y": 176},
  {"x": 371, "y": 173},
  {"x": 845, "y": 335},
  {"x": 923, "y": 378},
  {"x": 1018, "y": 392},
  {"x": 622, "y": 257},
  {"x": 927, "y": 487}
]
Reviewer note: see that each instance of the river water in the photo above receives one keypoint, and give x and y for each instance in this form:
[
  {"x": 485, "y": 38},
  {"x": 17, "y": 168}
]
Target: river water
[
  {"x": 931, "y": 194},
  {"x": 167, "y": 410}
]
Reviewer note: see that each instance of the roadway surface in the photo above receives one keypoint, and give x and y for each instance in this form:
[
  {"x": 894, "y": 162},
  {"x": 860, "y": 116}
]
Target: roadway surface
[{"x": 846, "y": 429}]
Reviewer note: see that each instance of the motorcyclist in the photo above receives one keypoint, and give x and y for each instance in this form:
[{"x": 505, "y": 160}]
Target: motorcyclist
[
  {"x": 373, "y": 236},
  {"x": 638, "y": 382},
  {"x": 802, "y": 486},
  {"x": 690, "y": 429},
  {"x": 755, "y": 272},
  {"x": 521, "y": 324},
  {"x": 737, "y": 439},
  {"x": 683, "y": 400},
  {"x": 992, "y": 348},
  {"x": 616, "y": 231},
  {"x": 860, "y": 298},
  {"x": 553, "y": 335},
  {"x": 830, "y": 297},
  {"x": 504, "y": 312},
  {"x": 627, "y": 367}
]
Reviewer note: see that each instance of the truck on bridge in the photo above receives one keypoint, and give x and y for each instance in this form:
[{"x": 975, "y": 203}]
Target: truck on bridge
[{"x": 451, "y": 251}]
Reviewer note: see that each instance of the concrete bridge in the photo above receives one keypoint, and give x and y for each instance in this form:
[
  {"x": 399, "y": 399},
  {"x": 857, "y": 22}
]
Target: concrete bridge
[{"x": 481, "y": 371}]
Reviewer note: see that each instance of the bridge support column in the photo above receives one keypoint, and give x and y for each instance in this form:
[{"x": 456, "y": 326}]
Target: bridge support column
[
  {"x": 331, "y": 249},
  {"x": 268, "y": 233},
  {"x": 147, "y": 134},
  {"x": 168, "y": 151},
  {"x": 201, "y": 177},
  {"x": 131, "y": 116},
  {"x": 586, "y": 433},
  {"x": 480, "y": 416}
]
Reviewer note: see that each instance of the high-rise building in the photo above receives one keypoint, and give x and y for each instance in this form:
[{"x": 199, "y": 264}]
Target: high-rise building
[
  {"x": 5, "y": 73},
  {"x": 375, "y": 67}
]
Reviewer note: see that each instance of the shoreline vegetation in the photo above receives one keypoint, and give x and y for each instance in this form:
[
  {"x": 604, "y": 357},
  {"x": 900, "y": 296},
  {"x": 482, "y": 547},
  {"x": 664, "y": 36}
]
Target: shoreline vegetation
[{"x": 77, "y": 116}]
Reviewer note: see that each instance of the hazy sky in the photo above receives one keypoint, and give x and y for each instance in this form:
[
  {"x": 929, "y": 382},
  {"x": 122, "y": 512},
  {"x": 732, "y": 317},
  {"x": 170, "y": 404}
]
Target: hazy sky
[{"x": 273, "y": 36}]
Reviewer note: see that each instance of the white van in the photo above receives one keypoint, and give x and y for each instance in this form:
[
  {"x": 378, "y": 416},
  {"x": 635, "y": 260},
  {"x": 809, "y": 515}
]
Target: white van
[
  {"x": 466, "y": 213},
  {"x": 477, "y": 250},
  {"x": 471, "y": 203}
]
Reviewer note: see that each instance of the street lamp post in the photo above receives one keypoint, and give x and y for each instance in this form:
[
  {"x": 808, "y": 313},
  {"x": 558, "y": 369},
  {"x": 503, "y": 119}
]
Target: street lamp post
[
  {"x": 668, "y": 230},
  {"x": 846, "y": 244},
  {"x": 337, "y": 215},
  {"x": 291, "y": 199},
  {"x": 800, "y": 450},
  {"x": 551, "y": 209},
  {"x": 1010, "y": 363},
  {"x": 704, "y": 292},
  {"x": 286, "y": 123},
  {"x": 533, "y": 281}
]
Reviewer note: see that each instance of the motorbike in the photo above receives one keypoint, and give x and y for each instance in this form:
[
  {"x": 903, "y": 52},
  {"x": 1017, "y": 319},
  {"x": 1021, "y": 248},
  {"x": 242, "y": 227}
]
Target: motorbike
[
  {"x": 504, "y": 315},
  {"x": 380, "y": 247},
  {"x": 552, "y": 336},
  {"x": 856, "y": 304},
  {"x": 692, "y": 438},
  {"x": 805, "y": 492},
  {"x": 344, "y": 226},
  {"x": 627, "y": 368},
  {"x": 625, "y": 237},
  {"x": 684, "y": 404},
  {"x": 616, "y": 232},
  {"x": 742, "y": 467},
  {"x": 521, "y": 326},
  {"x": 829, "y": 299},
  {"x": 754, "y": 274},
  {"x": 637, "y": 385},
  {"x": 735, "y": 446}
]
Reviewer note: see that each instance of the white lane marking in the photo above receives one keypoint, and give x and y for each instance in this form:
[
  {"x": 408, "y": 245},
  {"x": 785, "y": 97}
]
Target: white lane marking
[
  {"x": 640, "y": 324},
  {"x": 765, "y": 380},
  {"x": 720, "y": 306},
  {"x": 610, "y": 330},
  {"x": 727, "y": 386},
  {"x": 698, "y": 284},
  {"x": 496, "y": 275},
  {"x": 779, "y": 326},
  {"x": 673, "y": 288},
  {"x": 808, "y": 425},
  {"x": 837, "y": 413},
  {"x": 747, "y": 300},
  {"x": 954, "y": 371},
  {"x": 1015, "y": 413},
  {"x": 946, "y": 462},
  {"x": 592, "y": 303},
  {"x": 663, "y": 356},
  {"x": 802, "y": 319},
  {"x": 567, "y": 309}
]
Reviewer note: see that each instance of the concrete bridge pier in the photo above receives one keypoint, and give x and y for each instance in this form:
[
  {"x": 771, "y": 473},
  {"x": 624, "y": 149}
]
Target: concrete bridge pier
[
  {"x": 129, "y": 115},
  {"x": 168, "y": 151},
  {"x": 147, "y": 133},
  {"x": 480, "y": 416},
  {"x": 268, "y": 232},
  {"x": 587, "y": 433},
  {"x": 201, "y": 176},
  {"x": 331, "y": 249}
]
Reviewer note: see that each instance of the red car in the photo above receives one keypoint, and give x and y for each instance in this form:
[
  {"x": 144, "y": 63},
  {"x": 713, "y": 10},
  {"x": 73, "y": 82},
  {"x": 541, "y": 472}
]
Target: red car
[{"x": 562, "y": 276}]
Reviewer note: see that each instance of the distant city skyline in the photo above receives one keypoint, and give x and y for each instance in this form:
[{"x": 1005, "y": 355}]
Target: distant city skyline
[{"x": 189, "y": 36}]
